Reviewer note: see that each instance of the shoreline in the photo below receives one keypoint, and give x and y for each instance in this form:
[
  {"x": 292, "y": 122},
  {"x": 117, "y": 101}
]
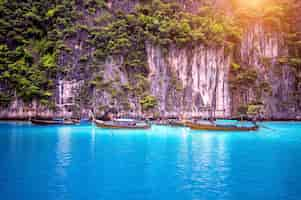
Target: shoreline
[{"x": 163, "y": 121}]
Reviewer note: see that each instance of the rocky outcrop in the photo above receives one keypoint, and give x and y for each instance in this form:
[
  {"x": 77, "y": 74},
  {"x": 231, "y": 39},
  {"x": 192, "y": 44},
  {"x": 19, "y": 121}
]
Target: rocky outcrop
[
  {"x": 185, "y": 81},
  {"x": 263, "y": 50},
  {"x": 66, "y": 92},
  {"x": 18, "y": 110},
  {"x": 188, "y": 81}
]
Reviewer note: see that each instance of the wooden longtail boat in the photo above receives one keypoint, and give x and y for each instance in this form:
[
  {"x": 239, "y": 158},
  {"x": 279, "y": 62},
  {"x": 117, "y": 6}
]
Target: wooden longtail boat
[
  {"x": 160, "y": 123},
  {"x": 52, "y": 122},
  {"x": 122, "y": 124},
  {"x": 176, "y": 123},
  {"x": 216, "y": 127},
  {"x": 168, "y": 122}
]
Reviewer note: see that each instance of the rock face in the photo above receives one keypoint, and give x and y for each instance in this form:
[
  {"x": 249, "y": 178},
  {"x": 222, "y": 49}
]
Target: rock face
[
  {"x": 188, "y": 80},
  {"x": 262, "y": 50},
  {"x": 113, "y": 94},
  {"x": 18, "y": 110},
  {"x": 66, "y": 92}
]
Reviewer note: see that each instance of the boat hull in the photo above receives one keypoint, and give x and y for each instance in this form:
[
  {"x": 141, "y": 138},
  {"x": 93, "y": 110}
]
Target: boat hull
[
  {"x": 206, "y": 127},
  {"x": 176, "y": 123},
  {"x": 51, "y": 122},
  {"x": 103, "y": 124}
]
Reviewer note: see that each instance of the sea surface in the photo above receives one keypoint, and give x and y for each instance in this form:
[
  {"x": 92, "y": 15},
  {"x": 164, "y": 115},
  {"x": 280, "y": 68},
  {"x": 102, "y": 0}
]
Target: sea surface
[{"x": 83, "y": 162}]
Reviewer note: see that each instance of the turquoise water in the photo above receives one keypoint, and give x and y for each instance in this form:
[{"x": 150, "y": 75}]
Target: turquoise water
[{"x": 84, "y": 162}]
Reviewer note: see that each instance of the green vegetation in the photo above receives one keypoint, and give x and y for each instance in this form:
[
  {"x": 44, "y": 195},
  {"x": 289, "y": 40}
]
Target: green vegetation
[
  {"x": 251, "y": 110},
  {"x": 22, "y": 76},
  {"x": 273, "y": 14},
  {"x": 121, "y": 37},
  {"x": 166, "y": 23},
  {"x": 242, "y": 77},
  {"x": 279, "y": 17},
  {"x": 148, "y": 102},
  {"x": 254, "y": 110},
  {"x": 163, "y": 24},
  {"x": 30, "y": 32}
]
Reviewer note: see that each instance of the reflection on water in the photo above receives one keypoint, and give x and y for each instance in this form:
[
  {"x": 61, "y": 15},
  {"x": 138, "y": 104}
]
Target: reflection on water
[
  {"x": 63, "y": 152},
  {"x": 93, "y": 138},
  {"x": 13, "y": 140},
  {"x": 209, "y": 160},
  {"x": 203, "y": 164}
]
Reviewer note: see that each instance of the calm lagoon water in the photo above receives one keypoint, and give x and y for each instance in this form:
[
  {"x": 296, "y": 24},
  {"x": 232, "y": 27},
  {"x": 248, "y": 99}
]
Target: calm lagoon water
[{"x": 84, "y": 162}]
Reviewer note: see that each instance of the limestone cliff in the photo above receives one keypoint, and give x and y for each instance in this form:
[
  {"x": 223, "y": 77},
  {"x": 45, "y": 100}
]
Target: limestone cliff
[
  {"x": 184, "y": 79},
  {"x": 262, "y": 50},
  {"x": 187, "y": 80}
]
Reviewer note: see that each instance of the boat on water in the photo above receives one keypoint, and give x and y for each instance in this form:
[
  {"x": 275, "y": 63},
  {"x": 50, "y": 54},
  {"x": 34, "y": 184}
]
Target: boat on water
[
  {"x": 54, "y": 121},
  {"x": 84, "y": 120},
  {"x": 176, "y": 122},
  {"x": 160, "y": 122},
  {"x": 168, "y": 122},
  {"x": 213, "y": 126},
  {"x": 122, "y": 124}
]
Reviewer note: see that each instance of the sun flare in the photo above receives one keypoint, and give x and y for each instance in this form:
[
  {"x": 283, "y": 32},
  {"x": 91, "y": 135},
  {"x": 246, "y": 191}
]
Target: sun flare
[{"x": 253, "y": 4}]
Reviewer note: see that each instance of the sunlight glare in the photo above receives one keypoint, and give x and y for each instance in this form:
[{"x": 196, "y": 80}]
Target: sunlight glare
[{"x": 253, "y": 4}]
